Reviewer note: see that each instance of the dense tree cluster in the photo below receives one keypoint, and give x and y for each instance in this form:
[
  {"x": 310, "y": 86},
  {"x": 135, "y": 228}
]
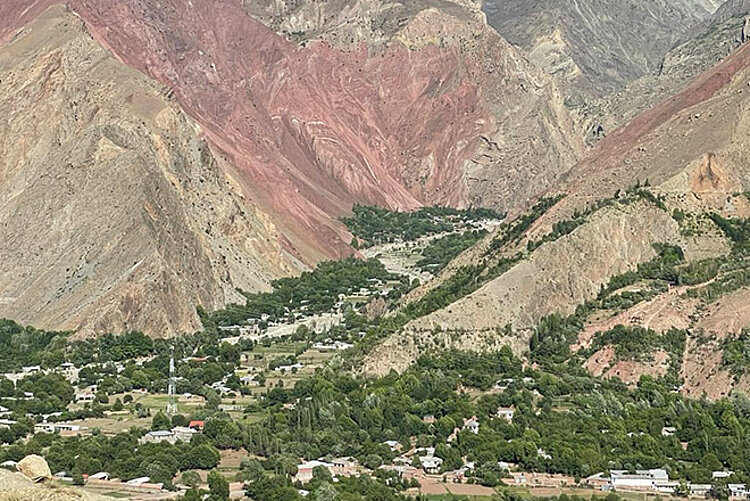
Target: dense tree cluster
[
  {"x": 121, "y": 455},
  {"x": 373, "y": 225},
  {"x": 444, "y": 249},
  {"x": 317, "y": 291}
]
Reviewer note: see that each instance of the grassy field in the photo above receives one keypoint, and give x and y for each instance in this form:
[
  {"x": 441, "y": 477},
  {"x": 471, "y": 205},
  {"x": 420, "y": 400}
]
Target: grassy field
[{"x": 542, "y": 492}]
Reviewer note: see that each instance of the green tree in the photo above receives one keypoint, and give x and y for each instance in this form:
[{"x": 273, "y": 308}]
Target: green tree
[
  {"x": 218, "y": 486},
  {"x": 161, "y": 422},
  {"x": 191, "y": 479}
]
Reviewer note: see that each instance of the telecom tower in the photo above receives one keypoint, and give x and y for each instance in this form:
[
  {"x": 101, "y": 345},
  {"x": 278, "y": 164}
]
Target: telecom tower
[{"x": 172, "y": 397}]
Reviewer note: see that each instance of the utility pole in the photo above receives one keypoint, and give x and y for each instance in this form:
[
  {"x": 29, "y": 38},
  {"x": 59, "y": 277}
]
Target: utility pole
[{"x": 172, "y": 397}]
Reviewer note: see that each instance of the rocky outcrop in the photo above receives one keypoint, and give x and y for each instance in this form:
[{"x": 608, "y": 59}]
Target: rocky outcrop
[
  {"x": 114, "y": 214},
  {"x": 35, "y": 468},
  {"x": 123, "y": 217},
  {"x": 25, "y": 486},
  {"x": 447, "y": 112}
]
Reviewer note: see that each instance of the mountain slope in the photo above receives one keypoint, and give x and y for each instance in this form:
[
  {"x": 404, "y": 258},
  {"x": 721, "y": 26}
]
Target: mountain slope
[
  {"x": 445, "y": 104},
  {"x": 114, "y": 215},
  {"x": 295, "y": 134},
  {"x": 702, "y": 47},
  {"x": 596, "y": 47},
  {"x": 692, "y": 149}
]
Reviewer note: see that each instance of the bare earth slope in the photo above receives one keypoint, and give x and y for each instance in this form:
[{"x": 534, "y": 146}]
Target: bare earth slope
[
  {"x": 438, "y": 110},
  {"x": 596, "y": 46},
  {"x": 561, "y": 275},
  {"x": 702, "y": 47},
  {"x": 692, "y": 148},
  {"x": 114, "y": 215},
  {"x": 444, "y": 106}
]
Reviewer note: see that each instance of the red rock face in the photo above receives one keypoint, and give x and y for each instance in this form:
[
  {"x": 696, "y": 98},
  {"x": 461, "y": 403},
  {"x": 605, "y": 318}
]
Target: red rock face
[{"x": 309, "y": 130}]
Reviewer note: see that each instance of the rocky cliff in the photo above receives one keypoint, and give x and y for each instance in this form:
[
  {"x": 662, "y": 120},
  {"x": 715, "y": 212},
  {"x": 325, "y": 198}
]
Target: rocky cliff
[{"x": 114, "y": 213}]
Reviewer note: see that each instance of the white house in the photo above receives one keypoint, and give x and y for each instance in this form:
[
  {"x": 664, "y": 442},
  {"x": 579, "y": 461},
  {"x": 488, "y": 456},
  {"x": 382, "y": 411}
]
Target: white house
[
  {"x": 138, "y": 481},
  {"x": 506, "y": 413},
  {"x": 289, "y": 368},
  {"x": 57, "y": 427},
  {"x": 641, "y": 480},
  {"x": 472, "y": 424},
  {"x": 722, "y": 474},
  {"x": 85, "y": 396},
  {"x": 183, "y": 433},
  {"x": 699, "y": 489},
  {"x": 737, "y": 490},
  {"x": 7, "y": 423},
  {"x": 393, "y": 445},
  {"x": 157, "y": 437},
  {"x": 668, "y": 431},
  {"x": 431, "y": 464}
]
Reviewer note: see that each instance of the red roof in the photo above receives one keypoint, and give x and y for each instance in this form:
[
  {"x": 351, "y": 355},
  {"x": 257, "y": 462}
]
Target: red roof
[{"x": 196, "y": 424}]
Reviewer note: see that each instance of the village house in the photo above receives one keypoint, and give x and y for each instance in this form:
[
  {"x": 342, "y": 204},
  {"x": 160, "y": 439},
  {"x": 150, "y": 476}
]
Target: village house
[
  {"x": 332, "y": 346},
  {"x": 57, "y": 428},
  {"x": 503, "y": 384},
  {"x": 393, "y": 445},
  {"x": 231, "y": 407},
  {"x": 737, "y": 491},
  {"x": 223, "y": 390},
  {"x": 69, "y": 372},
  {"x": 184, "y": 433},
  {"x": 305, "y": 470},
  {"x": 345, "y": 466},
  {"x": 7, "y": 423},
  {"x": 431, "y": 464},
  {"x": 191, "y": 397},
  {"x": 600, "y": 481},
  {"x": 642, "y": 480},
  {"x": 157, "y": 437},
  {"x": 668, "y": 431},
  {"x": 428, "y": 419},
  {"x": 84, "y": 396},
  {"x": 699, "y": 489},
  {"x": 721, "y": 474},
  {"x": 472, "y": 424},
  {"x": 289, "y": 368},
  {"x": 506, "y": 413},
  {"x": 196, "y": 425}
]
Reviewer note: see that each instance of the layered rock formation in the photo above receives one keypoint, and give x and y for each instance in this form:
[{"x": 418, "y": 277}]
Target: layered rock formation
[
  {"x": 596, "y": 47},
  {"x": 432, "y": 108},
  {"x": 692, "y": 149},
  {"x": 114, "y": 214}
]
